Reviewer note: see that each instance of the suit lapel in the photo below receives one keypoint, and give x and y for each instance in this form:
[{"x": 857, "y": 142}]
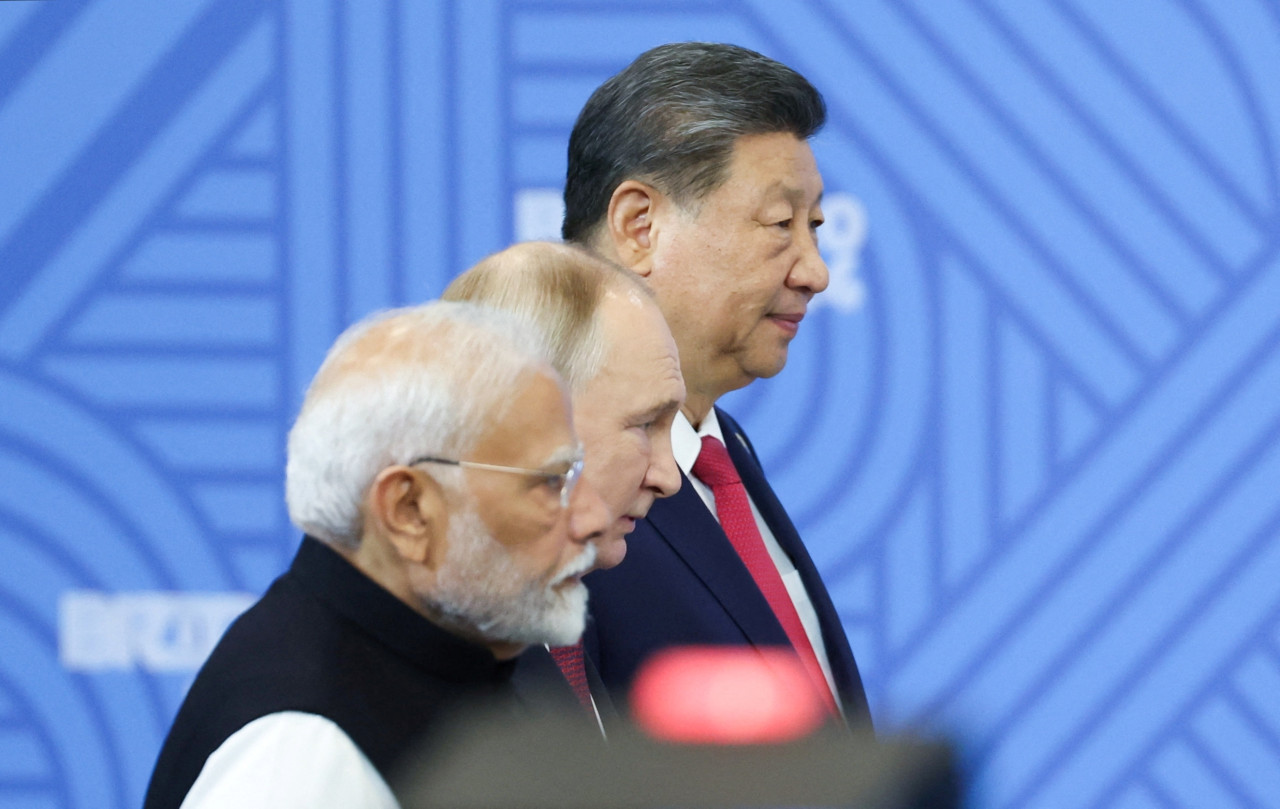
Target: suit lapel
[
  {"x": 688, "y": 527},
  {"x": 839, "y": 654},
  {"x": 609, "y": 716}
]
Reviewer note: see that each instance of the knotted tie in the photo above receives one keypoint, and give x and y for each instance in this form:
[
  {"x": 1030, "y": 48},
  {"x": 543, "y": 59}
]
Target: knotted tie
[
  {"x": 715, "y": 468},
  {"x": 569, "y": 659}
]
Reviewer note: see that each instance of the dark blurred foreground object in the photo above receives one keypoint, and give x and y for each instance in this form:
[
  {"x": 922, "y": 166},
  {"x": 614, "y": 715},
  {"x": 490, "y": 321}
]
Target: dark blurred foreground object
[{"x": 556, "y": 762}]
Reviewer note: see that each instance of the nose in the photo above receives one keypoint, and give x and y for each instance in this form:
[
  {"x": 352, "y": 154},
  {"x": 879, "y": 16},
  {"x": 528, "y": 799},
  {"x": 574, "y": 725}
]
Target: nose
[
  {"x": 588, "y": 515},
  {"x": 663, "y": 474},
  {"x": 810, "y": 270}
]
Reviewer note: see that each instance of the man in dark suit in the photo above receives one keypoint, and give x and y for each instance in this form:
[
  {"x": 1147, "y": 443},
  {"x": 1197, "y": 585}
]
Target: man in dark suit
[
  {"x": 608, "y": 339},
  {"x": 435, "y": 470},
  {"x": 692, "y": 168}
]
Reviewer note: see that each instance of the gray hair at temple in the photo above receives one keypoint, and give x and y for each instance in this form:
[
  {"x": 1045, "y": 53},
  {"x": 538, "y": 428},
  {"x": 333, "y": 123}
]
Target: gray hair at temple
[
  {"x": 556, "y": 288},
  {"x": 422, "y": 380},
  {"x": 671, "y": 118}
]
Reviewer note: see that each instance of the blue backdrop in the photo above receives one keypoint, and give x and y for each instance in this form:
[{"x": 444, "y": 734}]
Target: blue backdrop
[{"x": 1032, "y": 433}]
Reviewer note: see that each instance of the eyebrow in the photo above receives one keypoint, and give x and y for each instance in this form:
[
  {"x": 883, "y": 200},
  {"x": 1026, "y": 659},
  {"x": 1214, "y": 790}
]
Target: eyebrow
[
  {"x": 792, "y": 193},
  {"x": 657, "y": 410},
  {"x": 562, "y": 455}
]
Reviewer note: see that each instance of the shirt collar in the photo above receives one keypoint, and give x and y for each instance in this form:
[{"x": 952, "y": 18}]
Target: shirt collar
[{"x": 686, "y": 442}]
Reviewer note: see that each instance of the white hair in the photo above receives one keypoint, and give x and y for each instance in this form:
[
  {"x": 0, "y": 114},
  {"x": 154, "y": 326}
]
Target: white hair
[
  {"x": 423, "y": 380},
  {"x": 480, "y": 590}
]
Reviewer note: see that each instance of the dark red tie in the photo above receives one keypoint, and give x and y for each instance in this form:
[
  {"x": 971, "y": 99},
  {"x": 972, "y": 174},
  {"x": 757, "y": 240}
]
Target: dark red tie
[
  {"x": 569, "y": 659},
  {"x": 715, "y": 468}
]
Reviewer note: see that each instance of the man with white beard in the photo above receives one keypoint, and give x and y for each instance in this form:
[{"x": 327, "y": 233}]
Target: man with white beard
[{"x": 436, "y": 473}]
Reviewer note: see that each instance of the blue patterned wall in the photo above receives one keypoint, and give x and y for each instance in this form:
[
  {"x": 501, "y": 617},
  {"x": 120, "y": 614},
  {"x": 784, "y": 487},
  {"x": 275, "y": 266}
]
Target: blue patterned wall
[{"x": 1032, "y": 435}]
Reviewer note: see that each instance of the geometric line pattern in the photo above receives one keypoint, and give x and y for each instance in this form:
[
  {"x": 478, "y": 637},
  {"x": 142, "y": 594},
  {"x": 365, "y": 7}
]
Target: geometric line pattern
[{"x": 1034, "y": 457}]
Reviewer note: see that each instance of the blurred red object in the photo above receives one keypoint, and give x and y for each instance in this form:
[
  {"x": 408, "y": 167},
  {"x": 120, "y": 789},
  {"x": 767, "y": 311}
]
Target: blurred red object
[{"x": 726, "y": 695}]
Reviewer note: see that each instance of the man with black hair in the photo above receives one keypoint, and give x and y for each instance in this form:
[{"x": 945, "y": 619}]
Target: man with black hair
[{"x": 692, "y": 168}]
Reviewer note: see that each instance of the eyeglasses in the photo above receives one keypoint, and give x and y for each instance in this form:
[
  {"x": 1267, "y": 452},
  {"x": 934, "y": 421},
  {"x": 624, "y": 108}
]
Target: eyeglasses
[{"x": 565, "y": 481}]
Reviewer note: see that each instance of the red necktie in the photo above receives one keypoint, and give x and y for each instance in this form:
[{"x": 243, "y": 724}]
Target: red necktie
[
  {"x": 715, "y": 468},
  {"x": 569, "y": 659}
]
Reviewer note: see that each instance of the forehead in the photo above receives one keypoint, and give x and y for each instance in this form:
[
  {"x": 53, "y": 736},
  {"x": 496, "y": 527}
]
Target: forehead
[
  {"x": 632, "y": 323},
  {"x": 535, "y": 424},
  {"x": 642, "y": 353},
  {"x": 776, "y": 165}
]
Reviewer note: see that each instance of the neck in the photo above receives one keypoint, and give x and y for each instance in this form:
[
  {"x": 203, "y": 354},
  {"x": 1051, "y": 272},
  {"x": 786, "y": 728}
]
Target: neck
[
  {"x": 705, "y": 382},
  {"x": 700, "y": 398},
  {"x": 695, "y": 409},
  {"x": 375, "y": 558}
]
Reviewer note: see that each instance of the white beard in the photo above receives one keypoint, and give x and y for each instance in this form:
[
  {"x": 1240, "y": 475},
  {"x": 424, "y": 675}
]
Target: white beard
[{"x": 481, "y": 591}]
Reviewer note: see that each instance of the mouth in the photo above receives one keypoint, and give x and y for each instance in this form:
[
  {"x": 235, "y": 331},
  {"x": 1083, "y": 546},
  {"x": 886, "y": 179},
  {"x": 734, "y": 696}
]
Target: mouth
[
  {"x": 627, "y": 522},
  {"x": 789, "y": 322},
  {"x": 568, "y": 581}
]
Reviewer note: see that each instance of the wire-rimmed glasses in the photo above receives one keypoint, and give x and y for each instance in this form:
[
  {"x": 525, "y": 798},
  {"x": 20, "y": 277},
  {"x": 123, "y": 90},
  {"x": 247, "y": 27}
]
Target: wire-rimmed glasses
[{"x": 566, "y": 480}]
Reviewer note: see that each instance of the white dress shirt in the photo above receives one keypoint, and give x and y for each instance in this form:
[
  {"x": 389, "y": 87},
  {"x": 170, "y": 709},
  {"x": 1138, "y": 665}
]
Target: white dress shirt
[
  {"x": 686, "y": 443},
  {"x": 289, "y": 760}
]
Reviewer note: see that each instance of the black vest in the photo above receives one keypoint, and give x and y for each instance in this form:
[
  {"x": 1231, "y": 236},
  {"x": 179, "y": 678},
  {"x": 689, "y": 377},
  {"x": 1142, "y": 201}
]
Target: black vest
[{"x": 326, "y": 639}]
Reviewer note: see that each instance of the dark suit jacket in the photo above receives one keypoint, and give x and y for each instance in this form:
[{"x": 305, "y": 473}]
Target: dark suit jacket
[
  {"x": 682, "y": 583},
  {"x": 543, "y": 689}
]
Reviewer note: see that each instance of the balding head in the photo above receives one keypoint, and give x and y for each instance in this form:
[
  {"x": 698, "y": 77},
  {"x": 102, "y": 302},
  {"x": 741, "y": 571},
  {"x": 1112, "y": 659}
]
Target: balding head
[{"x": 558, "y": 289}]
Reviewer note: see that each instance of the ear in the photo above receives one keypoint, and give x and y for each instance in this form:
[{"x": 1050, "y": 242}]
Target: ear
[
  {"x": 631, "y": 228},
  {"x": 409, "y": 508}
]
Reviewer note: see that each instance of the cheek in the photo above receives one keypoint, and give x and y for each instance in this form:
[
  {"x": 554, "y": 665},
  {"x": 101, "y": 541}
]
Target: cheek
[
  {"x": 736, "y": 317},
  {"x": 597, "y": 429},
  {"x": 521, "y": 528},
  {"x": 694, "y": 275},
  {"x": 537, "y": 563},
  {"x": 756, "y": 297},
  {"x": 633, "y": 456},
  {"x": 619, "y": 468},
  {"x": 534, "y": 540}
]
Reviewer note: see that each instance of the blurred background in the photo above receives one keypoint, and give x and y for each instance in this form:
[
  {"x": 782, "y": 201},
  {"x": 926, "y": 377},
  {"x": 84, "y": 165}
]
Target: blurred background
[{"x": 1031, "y": 433}]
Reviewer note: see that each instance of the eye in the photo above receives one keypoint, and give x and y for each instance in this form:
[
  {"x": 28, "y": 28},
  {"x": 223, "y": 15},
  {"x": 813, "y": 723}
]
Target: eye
[
  {"x": 552, "y": 484},
  {"x": 661, "y": 420},
  {"x": 554, "y": 480},
  {"x": 642, "y": 432},
  {"x": 785, "y": 224}
]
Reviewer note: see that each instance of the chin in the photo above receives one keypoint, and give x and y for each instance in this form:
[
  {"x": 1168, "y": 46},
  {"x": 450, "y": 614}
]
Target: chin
[
  {"x": 612, "y": 555},
  {"x": 564, "y": 623},
  {"x": 766, "y": 370},
  {"x": 764, "y": 362}
]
